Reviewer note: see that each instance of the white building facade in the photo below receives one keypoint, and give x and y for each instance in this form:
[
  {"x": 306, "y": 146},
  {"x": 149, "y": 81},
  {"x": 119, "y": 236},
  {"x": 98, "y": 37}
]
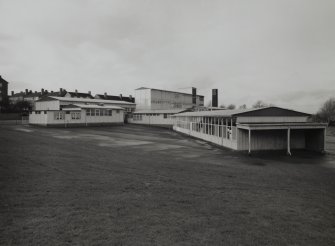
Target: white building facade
[
  {"x": 250, "y": 130},
  {"x": 60, "y": 111},
  {"x": 155, "y": 107},
  {"x": 154, "y": 99},
  {"x": 154, "y": 117}
]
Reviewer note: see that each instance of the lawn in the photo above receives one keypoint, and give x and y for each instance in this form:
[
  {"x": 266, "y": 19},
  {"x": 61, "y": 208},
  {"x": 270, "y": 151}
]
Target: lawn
[{"x": 132, "y": 185}]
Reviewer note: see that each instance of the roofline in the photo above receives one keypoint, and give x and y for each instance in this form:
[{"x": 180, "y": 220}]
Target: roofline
[
  {"x": 257, "y": 109},
  {"x": 235, "y": 114},
  {"x": 72, "y": 99},
  {"x": 146, "y": 88}
]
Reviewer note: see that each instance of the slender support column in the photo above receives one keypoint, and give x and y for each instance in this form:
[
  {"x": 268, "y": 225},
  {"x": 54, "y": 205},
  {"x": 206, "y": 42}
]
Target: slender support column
[
  {"x": 324, "y": 140},
  {"x": 249, "y": 152},
  {"x": 289, "y": 141},
  {"x": 231, "y": 129},
  {"x": 226, "y": 128}
]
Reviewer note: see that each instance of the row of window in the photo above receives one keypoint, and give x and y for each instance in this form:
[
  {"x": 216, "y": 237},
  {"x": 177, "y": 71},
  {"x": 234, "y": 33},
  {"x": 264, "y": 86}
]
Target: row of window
[
  {"x": 60, "y": 115},
  {"x": 38, "y": 112},
  {"x": 100, "y": 112},
  {"x": 139, "y": 116},
  {"x": 75, "y": 115}
]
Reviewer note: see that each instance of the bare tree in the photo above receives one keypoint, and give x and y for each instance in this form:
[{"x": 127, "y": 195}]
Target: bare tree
[
  {"x": 223, "y": 106},
  {"x": 327, "y": 111},
  {"x": 244, "y": 106},
  {"x": 260, "y": 104},
  {"x": 231, "y": 106}
]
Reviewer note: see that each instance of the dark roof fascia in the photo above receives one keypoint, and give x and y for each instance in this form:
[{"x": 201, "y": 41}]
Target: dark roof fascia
[{"x": 272, "y": 107}]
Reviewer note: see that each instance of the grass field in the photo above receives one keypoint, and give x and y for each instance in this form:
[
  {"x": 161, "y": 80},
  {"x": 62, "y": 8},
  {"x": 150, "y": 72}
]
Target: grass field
[{"x": 134, "y": 185}]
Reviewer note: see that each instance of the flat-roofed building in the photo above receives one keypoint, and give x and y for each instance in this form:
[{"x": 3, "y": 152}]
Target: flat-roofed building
[
  {"x": 160, "y": 117},
  {"x": 270, "y": 128},
  {"x": 155, "y": 99},
  {"x": 155, "y": 107},
  {"x": 63, "y": 111}
]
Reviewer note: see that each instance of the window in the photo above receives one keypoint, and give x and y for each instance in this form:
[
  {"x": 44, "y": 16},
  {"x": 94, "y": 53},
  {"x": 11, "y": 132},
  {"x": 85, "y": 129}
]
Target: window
[
  {"x": 165, "y": 116},
  {"x": 37, "y": 112},
  {"x": 137, "y": 117},
  {"x": 110, "y": 112},
  {"x": 88, "y": 112},
  {"x": 97, "y": 112},
  {"x": 92, "y": 112},
  {"x": 75, "y": 115},
  {"x": 45, "y": 112},
  {"x": 118, "y": 111},
  {"x": 59, "y": 115}
]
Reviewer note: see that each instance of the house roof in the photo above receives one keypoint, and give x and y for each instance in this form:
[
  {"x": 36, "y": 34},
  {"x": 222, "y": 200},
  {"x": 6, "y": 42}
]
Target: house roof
[
  {"x": 72, "y": 106},
  {"x": 32, "y": 94},
  {"x": 268, "y": 111},
  {"x": 116, "y": 98},
  {"x": 2, "y": 80},
  {"x": 83, "y": 100},
  {"x": 19, "y": 94},
  {"x": 56, "y": 93},
  {"x": 161, "y": 111},
  {"x": 80, "y": 94},
  {"x": 146, "y": 88}
]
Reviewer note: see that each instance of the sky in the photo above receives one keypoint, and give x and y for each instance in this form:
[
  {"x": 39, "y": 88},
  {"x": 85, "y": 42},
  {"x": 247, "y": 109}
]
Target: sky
[{"x": 281, "y": 52}]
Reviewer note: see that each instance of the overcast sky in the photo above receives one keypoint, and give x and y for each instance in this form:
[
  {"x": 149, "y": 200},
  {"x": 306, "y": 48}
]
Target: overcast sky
[{"x": 282, "y": 52}]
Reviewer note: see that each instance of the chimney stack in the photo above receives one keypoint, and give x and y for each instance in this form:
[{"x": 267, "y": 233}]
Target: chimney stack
[
  {"x": 105, "y": 95},
  {"x": 194, "y": 96},
  {"x": 215, "y": 98},
  {"x": 42, "y": 90},
  {"x": 89, "y": 92},
  {"x": 12, "y": 93},
  {"x": 60, "y": 90},
  {"x": 121, "y": 96},
  {"x": 30, "y": 91},
  {"x": 26, "y": 91},
  {"x": 76, "y": 90}
]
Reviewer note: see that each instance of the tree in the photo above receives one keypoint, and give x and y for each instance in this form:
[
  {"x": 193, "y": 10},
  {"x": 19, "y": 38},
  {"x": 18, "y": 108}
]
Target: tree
[
  {"x": 19, "y": 107},
  {"x": 244, "y": 106},
  {"x": 260, "y": 104},
  {"x": 327, "y": 110},
  {"x": 231, "y": 106},
  {"x": 222, "y": 106}
]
